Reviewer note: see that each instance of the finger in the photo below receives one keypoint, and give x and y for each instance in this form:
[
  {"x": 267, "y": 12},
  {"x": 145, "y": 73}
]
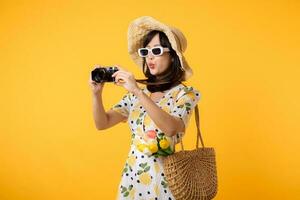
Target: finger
[
  {"x": 120, "y": 72},
  {"x": 114, "y": 74},
  {"x": 118, "y": 83},
  {"x": 120, "y": 80},
  {"x": 121, "y": 77}
]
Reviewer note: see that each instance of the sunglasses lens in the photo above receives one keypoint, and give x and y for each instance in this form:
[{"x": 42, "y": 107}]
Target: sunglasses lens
[
  {"x": 156, "y": 51},
  {"x": 143, "y": 52}
]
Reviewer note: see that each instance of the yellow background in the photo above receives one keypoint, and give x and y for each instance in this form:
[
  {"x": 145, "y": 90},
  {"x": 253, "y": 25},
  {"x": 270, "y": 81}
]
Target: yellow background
[{"x": 245, "y": 56}]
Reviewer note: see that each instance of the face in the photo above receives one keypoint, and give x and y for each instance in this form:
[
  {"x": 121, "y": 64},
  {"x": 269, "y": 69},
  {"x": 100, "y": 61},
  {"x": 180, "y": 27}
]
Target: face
[{"x": 157, "y": 64}]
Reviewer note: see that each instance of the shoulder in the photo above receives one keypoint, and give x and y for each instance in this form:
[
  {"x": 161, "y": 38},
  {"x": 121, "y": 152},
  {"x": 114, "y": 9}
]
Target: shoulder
[{"x": 188, "y": 90}]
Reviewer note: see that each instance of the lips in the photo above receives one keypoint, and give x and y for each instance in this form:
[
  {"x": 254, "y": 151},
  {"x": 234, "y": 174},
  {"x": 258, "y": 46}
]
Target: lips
[{"x": 151, "y": 65}]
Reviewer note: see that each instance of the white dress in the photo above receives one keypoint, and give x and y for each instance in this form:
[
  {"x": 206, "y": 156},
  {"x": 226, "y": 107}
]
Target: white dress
[{"x": 143, "y": 176}]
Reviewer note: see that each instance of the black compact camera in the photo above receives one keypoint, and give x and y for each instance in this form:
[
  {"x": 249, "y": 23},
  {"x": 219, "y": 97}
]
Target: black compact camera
[{"x": 103, "y": 74}]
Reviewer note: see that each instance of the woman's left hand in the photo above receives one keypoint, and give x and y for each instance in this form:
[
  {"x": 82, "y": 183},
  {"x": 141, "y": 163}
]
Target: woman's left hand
[{"x": 126, "y": 79}]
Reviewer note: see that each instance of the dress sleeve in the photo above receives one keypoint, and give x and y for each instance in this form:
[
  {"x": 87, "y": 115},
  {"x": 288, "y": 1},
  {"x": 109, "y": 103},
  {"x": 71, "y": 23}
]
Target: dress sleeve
[
  {"x": 123, "y": 106},
  {"x": 184, "y": 105}
]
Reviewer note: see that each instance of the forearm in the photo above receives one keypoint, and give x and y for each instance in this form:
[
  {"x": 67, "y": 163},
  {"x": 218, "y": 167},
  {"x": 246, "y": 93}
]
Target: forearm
[
  {"x": 162, "y": 119},
  {"x": 100, "y": 117}
]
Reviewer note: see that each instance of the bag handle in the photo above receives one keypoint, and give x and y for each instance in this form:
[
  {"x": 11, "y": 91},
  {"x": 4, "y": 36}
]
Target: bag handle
[{"x": 199, "y": 136}]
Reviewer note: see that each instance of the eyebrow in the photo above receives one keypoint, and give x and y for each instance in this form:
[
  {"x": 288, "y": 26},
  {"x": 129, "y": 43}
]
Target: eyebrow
[{"x": 154, "y": 45}]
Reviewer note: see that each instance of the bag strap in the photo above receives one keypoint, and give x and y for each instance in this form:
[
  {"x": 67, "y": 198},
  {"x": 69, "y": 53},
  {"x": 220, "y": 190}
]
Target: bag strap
[{"x": 199, "y": 136}]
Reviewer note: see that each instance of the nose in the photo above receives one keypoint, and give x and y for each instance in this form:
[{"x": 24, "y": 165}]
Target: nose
[
  {"x": 150, "y": 55},
  {"x": 149, "y": 59}
]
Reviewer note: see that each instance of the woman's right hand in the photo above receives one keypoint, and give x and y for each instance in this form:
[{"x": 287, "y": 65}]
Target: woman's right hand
[{"x": 95, "y": 87}]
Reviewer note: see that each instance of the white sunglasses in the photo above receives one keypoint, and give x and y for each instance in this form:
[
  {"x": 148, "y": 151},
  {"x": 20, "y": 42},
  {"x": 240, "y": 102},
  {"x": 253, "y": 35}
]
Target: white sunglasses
[{"x": 156, "y": 51}]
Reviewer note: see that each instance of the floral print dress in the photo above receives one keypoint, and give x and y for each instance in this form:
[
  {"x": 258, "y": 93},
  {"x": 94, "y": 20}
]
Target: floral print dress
[{"x": 143, "y": 176}]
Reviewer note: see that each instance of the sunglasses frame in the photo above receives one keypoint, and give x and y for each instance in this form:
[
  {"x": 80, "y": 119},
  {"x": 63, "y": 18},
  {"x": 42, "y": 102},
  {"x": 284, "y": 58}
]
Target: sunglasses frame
[{"x": 162, "y": 50}]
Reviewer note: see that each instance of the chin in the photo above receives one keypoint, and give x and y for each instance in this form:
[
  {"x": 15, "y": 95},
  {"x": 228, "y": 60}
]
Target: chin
[{"x": 153, "y": 72}]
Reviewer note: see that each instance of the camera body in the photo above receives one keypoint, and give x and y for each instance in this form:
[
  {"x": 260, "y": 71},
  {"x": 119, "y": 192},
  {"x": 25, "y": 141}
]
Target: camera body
[{"x": 103, "y": 74}]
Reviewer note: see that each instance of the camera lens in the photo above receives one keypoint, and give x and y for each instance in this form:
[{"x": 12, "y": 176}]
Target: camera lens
[{"x": 98, "y": 75}]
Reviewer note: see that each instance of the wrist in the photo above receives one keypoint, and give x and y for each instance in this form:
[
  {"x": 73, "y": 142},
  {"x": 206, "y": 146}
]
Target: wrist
[
  {"x": 137, "y": 91},
  {"x": 97, "y": 94}
]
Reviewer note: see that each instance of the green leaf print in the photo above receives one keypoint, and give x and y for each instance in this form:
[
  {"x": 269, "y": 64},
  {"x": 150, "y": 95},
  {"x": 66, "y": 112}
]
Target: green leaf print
[
  {"x": 187, "y": 104},
  {"x": 126, "y": 194},
  {"x": 138, "y": 121},
  {"x": 140, "y": 172},
  {"x": 132, "y": 136},
  {"x": 168, "y": 151},
  {"x": 155, "y": 155},
  {"x": 164, "y": 182},
  {"x": 130, "y": 187},
  {"x": 147, "y": 169},
  {"x": 124, "y": 189},
  {"x": 161, "y": 134},
  {"x": 180, "y": 106},
  {"x": 162, "y": 153},
  {"x": 125, "y": 168},
  {"x": 187, "y": 89},
  {"x": 143, "y": 165},
  {"x": 141, "y": 114}
]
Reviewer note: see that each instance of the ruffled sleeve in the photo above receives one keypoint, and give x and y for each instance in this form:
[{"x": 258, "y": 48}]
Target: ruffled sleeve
[
  {"x": 186, "y": 100},
  {"x": 123, "y": 106}
]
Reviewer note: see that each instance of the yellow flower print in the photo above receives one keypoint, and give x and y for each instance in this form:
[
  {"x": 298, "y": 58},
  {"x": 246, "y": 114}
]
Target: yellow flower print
[
  {"x": 145, "y": 178},
  {"x": 135, "y": 114},
  {"x": 143, "y": 173},
  {"x": 136, "y": 141},
  {"x": 181, "y": 101},
  {"x": 156, "y": 167},
  {"x": 164, "y": 101},
  {"x": 164, "y": 143},
  {"x": 147, "y": 121},
  {"x": 141, "y": 147},
  {"x": 191, "y": 95},
  {"x": 166, "y": 108},
  {"x": 175, "y": 93},
  {"x": 156, "y": 189},
  {"x": 153, "y": 147},
  {"x": 144, "y": 148},
  {"x": 131, "y": 160},
  {"x": 139, "y": 131},
  {"x": 131, "y": 193}
]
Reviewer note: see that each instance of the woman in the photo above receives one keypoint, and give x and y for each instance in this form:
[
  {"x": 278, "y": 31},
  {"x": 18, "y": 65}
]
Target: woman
[{"x": 161, "y": 110}]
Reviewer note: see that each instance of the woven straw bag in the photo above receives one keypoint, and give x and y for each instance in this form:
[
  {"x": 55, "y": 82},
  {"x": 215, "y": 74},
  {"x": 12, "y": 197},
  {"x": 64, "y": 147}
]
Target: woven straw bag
[{"x": 192, "y": 174}]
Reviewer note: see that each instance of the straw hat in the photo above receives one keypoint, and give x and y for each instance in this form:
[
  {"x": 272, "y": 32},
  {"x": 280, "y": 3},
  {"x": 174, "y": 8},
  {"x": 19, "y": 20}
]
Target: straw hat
[{"x": 141, "y": 26}]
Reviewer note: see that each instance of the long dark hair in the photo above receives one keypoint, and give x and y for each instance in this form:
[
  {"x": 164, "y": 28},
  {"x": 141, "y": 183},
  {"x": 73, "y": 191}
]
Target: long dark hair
[{"x": 172, "y": 76}]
